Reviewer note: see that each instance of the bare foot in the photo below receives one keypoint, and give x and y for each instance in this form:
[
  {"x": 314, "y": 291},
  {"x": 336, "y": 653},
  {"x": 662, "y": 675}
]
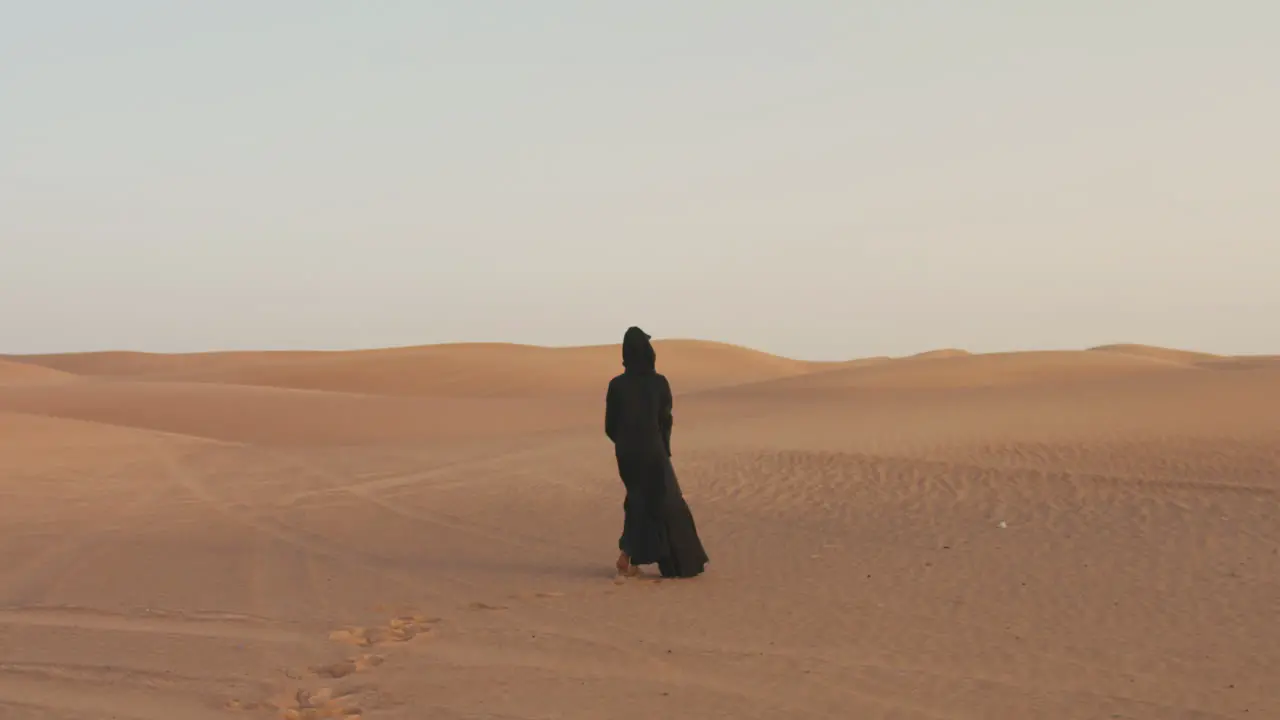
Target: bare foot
[{"x": 624, "y": 565}]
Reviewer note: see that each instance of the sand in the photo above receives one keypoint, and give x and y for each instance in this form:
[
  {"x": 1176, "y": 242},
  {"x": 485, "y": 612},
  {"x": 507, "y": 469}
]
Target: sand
[
  {"x": 16, "y": 373},
  {"x": 430, "y": 533}
]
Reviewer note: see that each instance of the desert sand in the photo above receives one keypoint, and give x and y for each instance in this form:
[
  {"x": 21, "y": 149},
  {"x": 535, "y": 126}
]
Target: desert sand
[{"x": 430, "y": 533}]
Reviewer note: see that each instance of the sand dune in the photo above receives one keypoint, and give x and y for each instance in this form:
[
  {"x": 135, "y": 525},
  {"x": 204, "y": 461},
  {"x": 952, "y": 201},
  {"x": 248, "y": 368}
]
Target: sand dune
[
  {"x": 941, "y": 354},
  {"x": 1184, "y": 357},
  {"x": 18, "y": 373},
  {"x": 1248, "y": 362},
  {"x": 267, "y": 415},
  {"x": 140, "y": 364},
  {"x": 429, "y": 532},
  {"x": 471, "y": 369},
  {"x": 949, "y": 370}
]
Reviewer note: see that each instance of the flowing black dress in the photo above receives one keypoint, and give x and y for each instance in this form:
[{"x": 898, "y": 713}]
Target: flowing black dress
[{"x": 658, "y": 525}]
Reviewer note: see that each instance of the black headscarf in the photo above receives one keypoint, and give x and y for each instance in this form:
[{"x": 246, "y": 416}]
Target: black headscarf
[{"x": 637, "y": 353}]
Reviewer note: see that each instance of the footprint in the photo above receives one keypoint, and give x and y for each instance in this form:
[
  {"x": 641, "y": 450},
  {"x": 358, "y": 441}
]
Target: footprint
[
  {"x": 640, "y": 577},
  {"x": 350, "y": 666},
  {"x": 323, "y": 703},
  {"x": 319, "y": 704},
  {"x": 537, "y": 595},
  {"x": 398, "y": 630}
]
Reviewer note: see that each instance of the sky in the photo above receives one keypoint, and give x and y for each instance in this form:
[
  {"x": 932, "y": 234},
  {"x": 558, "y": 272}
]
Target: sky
[{"x": 819, "y": 179}]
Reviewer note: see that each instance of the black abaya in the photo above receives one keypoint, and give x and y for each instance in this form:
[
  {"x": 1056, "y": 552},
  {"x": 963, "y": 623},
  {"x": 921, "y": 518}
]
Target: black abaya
[
  {"x": 644, "y": 532},
  {"x": 685, "y": 556},
  {"x": 658, "y": 526}
]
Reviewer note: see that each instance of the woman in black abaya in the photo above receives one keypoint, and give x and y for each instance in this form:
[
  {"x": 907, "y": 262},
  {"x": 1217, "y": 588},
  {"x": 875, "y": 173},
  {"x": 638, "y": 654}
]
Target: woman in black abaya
[{"x": 657, "y": 526}]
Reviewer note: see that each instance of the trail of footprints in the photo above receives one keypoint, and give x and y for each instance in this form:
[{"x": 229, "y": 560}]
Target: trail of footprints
[
  {"x": 330, "y": 703},
  {"x": 327, "y": 703},
  {"x": 400, "y": 629}
]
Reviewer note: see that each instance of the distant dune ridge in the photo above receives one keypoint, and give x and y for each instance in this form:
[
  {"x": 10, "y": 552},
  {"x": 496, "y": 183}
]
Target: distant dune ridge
[
  {"x": 1158, "y": 353},
  {"x": 463, "y": 369},
  {"x": 14, "y": 372},
  {"x": 430, "y": 531},
  {"x": 503, "y": 369}
]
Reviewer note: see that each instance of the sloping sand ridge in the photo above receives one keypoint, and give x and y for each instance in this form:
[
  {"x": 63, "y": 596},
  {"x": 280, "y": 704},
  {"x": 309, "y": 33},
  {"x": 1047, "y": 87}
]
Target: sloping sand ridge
[
  {"x": 429, "y": 532},
  {"x": 17, "y": 373}
]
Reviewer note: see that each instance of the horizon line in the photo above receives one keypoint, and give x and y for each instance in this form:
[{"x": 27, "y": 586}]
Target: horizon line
[{"x": 1114, "y": 347}]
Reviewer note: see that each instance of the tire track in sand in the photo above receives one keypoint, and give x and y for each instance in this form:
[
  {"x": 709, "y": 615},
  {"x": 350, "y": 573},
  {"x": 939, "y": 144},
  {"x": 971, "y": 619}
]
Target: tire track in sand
[
  {"x": 121, "y": 690},
  {"x": 208, "y": 625},
  {"x": 31, "y": 582},
  {"x": 191, "y": 482}
]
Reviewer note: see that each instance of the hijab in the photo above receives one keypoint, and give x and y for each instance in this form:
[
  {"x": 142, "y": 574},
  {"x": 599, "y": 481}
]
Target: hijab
[{"x": 637, "y": 353}]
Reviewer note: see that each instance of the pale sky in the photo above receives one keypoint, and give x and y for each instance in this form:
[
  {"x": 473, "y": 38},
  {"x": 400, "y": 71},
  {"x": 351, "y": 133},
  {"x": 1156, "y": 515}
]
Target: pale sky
[{"x": 817, "y": 179}]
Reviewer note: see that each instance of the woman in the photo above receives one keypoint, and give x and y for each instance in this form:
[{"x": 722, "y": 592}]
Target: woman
[{"x": 657, "y": 524}]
